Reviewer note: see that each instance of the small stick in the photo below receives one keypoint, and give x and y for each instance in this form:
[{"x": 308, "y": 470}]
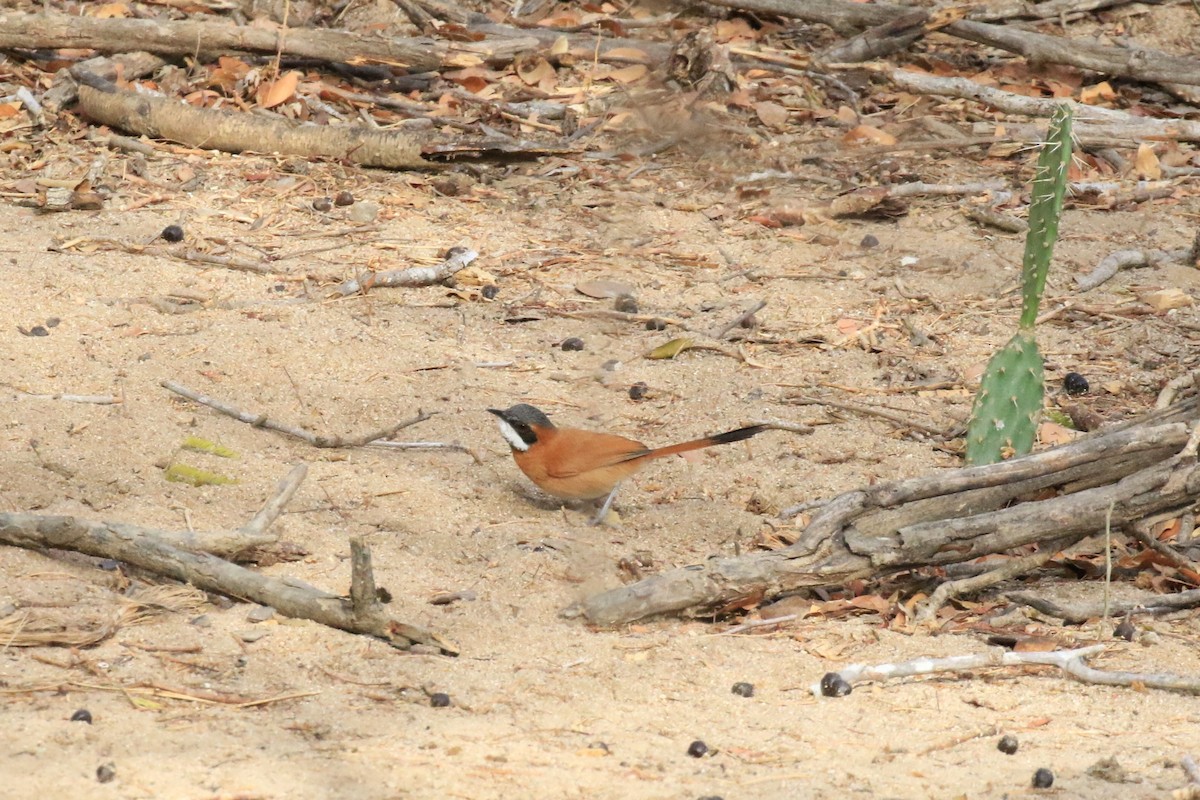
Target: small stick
[
  {"x": 891, "y": 416},
  {"x": 461, "y": 448},
  {"x": 952, "y": 589},
  {"x": 261, "y": 421},
  {"x": 456, "y": 259},
  {"x": 719, "y": 332},
  {"x": 274, "y": 506},
  {"x": 1143, "y": 535},
  {"x": 97, "y": 399},
  {"x": 757, "y": 623},
  {"x": 364, "y": 598},
  {"x": 1081, "y": 613}
]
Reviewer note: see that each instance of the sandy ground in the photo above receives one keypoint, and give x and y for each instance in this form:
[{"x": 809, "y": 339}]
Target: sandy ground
[{"x": 542, "y": 706}]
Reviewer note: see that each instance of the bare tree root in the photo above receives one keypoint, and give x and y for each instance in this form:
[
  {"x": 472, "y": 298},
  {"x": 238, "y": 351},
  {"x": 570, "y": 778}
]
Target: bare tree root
[
  {"x": 1069, "y": 661},
  {"x": 946, "y": 518},
  {"x": 157, "y": 552}
]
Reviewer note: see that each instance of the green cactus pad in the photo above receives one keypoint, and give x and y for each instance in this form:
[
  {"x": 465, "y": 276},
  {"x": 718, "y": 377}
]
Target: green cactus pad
[
  {"x": 1004, "y": 419},
  {"x": 1045, "y": 208}
]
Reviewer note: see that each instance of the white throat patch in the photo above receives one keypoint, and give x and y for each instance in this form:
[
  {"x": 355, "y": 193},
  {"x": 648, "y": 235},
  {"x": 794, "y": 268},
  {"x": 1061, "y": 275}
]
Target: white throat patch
[{"x": 510, "y": 434}]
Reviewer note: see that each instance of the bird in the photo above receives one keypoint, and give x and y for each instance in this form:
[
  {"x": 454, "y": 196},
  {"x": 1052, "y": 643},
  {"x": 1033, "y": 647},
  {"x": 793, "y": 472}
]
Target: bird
[{"x": 575, "y": 464}]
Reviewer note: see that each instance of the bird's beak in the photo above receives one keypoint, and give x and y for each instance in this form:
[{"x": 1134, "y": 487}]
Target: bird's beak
[{"x": 497, "y": 412}]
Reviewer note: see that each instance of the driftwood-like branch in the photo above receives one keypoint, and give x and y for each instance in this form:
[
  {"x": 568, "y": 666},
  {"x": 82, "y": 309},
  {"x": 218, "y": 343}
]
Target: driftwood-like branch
[
  {"x": 195, "y": 37},
  {"x": 262, "y": 421},
  {"x": 946, "y": 518},
  {"x": 159, "y": 552},
  {"x": 456, "y": 260},
  {"x": 127, "y": 66},
  {"x": 1077, "y": 614},
  {"x": 1091, "y": 122},
  {"x": 225, "y": 543},
  {"x": 233, "y": 132},
  {"x": 1113, "y": 263},
  {"x": 1069, "y": 661},
  {"x": 1139, "y": 63}
]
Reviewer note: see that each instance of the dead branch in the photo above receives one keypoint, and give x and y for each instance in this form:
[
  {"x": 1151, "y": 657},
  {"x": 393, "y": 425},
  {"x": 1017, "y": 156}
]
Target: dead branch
[
  {"x": 1113, "y": 263},
  {"x": 262, "y": 421},
  {"x": 224, "y": 543},
  {"x": 1069, "y": 661},
  {"x": 127, "y": 66},
  {"x": 271, "y": 510},
  {"x": 203, "y": 39},
  {"x": 1079, "y": 613},
  {"x": 156, "y": 551},
  {"x": 1091, "y": 122},
  {"x": 1136, "y": 62},
  {"x": 945, "y": 518},
  {"x": 164, "y": 118},
  {"x": 456, "y": 260}
]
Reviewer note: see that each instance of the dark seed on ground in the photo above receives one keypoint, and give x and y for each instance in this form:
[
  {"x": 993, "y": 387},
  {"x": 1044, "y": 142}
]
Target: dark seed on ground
[
  {"x": 656, "y": 325},
  {"x": 439, "y": 700},
  {"x": 343, "y": 199},
  {"x": 82, "y": 715},
  {"x": 1043, "y": 779},
  {"x": 383, "y": 595},
  {"x": 322, "y": 204},
  {"x": 1007, "y": 744},
  {"x": 106, "y": 772},
  {"x": 749, "y": 322},
  {"x": 697, "y": 749},
  {"x": 490, "y": 291},
  {"x": 1125, "y": 630},
  {"x": 38, "y": 330},
  {"x": 626, "y": 304},
  {"x": 53, "y": 322},
  {"x": 172, "y": 233},
  {"x": 1075, "y": 384},
  {"x": 743, "y": 689},
  {"x": 712, "y": 797},
  {"x": 574, "y": 343},
  {"x": 638, "y": 391},
  {"x": 834, "y": 685},
  {"x": 868, "y": 241}
]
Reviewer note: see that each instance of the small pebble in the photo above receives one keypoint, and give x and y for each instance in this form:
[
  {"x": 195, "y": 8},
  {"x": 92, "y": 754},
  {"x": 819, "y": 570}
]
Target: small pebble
[
  {"x": 250, "y": 637},
  {"x": 172, "y": 233},
  {"x": 656, "y": 325},
  {"x": 439, "y": 700},
  {"x": 383, "y": 595},
  {"x": 1075, "y": 384},
  {"x": 364, "y": 212},
  {"x": 743, "y": 689},
  {"x": 343, "y": 198},
  {"x": 834, "y": 685},
  {"x": 1043, "y": 779},
  {"x": 490, "y": 291},
  {"x": 260, "y": 614},
  {"x": 202, "y": 621},
  {"x": 749, "y": 322},
  {"x": 106, "y": 772},
  {"x": 626, "y": 304},
  {"x": 53, "y": 322},
  {"x": 82, "y": 715},
  {"x": 1007, "y": 744},
  {"x": 868, "y": 241},
  {"x": 697, "y": 749},
  {"x": 572, "y": 344},
  {"x": 38, "y": 330},
  {"x": 322, "y": 204},
  {"x": 638, "y": 391}
]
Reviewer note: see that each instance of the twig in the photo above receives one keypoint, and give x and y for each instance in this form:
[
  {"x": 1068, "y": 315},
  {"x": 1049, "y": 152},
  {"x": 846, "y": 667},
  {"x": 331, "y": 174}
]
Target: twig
[
  {"x": 720, "y": 331},
  {"x": 996, "y": 657},
  {"x": 226, "y": 543},
  {"x": 757, "y": 623},
  {"x": 1077, "y": 614},
  {"x": 456, "y": 259},
  {"x": 261, "y": 421},
  {"x": 996, "y": 219},
  {"x": 364, "y": 598},
  {"x": 891, "y": 416},
  {"x": 97, "y": 399},
  {"x": 1113, "y": 263},
  {"x": 1143, "y": 535},
  {"x": 461, "y": 448},
  {"x": 1007, "y": 571},
  {"x": 274, "y": 506}
]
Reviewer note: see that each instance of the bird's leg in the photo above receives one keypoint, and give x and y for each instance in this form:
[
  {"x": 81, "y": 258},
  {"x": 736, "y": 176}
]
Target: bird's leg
[{"x": 608, "y": 501}]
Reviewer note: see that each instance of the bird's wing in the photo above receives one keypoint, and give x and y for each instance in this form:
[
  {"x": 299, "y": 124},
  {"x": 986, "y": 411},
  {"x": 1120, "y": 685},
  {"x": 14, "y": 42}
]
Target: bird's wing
[{"x": 584, "y": 451}]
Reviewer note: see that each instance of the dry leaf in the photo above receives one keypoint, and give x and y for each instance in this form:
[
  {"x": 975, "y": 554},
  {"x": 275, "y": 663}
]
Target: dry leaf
[
  {"x": 771, "y": 114},
  {"x": 1167, "y": 299},
  {"x": 868, "y": 134},
  {"x": 1051, "y": 433},
  {"x": 533, "y": 71},
  {"x": 1146, "y": 163},
  {"x": 603, "y": 289},
  {"x": 1100, "y": 93},
  {"x": 279, "y": 90},
  {"x": 110, "y": 11},
  {"x": 625, "y": 54},
  {"x": 670, "y": 349},
  {"x": 634, "y": 72},
  {"x": 847, "y": 326}
]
